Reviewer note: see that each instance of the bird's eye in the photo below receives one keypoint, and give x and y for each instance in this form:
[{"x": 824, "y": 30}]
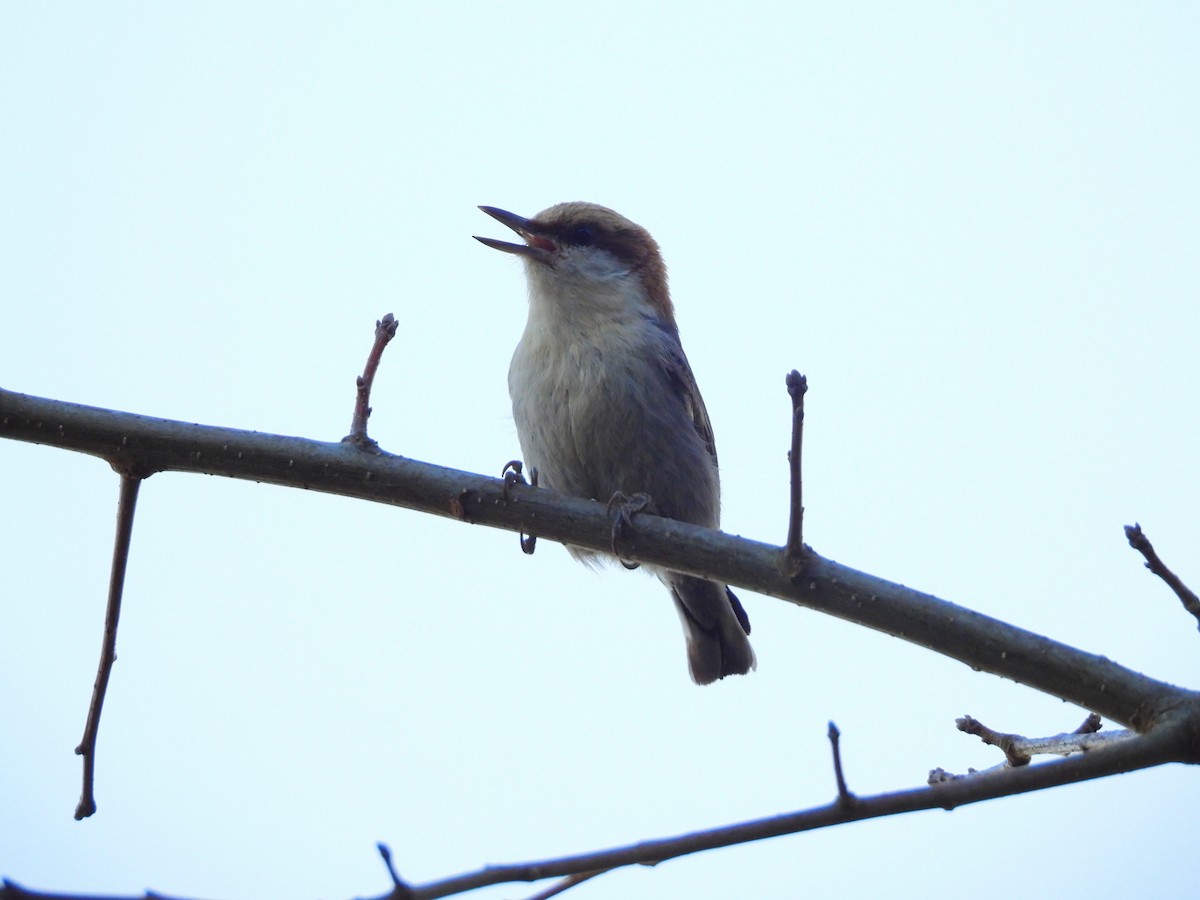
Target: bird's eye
[{"x": 582, "y": 235}]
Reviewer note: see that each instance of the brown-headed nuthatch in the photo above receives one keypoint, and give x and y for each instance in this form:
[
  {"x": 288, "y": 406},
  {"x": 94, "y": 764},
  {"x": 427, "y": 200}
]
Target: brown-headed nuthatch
[{"x": 605, "y": 401}]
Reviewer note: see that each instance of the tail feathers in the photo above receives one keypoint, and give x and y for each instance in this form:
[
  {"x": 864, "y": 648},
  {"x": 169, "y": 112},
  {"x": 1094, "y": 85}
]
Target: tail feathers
[{"x": 715, "y": 626}]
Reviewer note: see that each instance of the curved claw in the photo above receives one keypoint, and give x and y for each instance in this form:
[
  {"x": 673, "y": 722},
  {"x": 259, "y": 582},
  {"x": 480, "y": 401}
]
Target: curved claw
[
  {"x": 513, "y": 473},
  {"x": 623, "y": 508}
]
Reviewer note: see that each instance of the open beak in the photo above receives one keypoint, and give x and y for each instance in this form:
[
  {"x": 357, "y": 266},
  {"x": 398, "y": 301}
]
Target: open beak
[{"x": 537, "y": 245}]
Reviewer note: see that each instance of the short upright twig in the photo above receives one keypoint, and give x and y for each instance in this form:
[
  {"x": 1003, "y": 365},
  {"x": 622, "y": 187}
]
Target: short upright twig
[
  {"x": 797, "y": 386},
  {"x": 845, "y": 798},
  {"x": 400, "y": 888},
  {"x": 1139, "y": 542},
  {"x": 126, "y": 504},
  {"x": 385, "y": 330}
]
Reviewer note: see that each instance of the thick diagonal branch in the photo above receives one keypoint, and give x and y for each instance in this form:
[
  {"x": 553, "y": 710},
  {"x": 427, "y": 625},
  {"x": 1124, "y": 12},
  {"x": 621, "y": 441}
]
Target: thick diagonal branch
[{"x": 1091, "y": 681}]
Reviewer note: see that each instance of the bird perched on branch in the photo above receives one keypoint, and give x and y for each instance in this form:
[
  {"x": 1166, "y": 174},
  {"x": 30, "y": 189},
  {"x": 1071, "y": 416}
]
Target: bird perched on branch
[{"x": 606, "y": 404}]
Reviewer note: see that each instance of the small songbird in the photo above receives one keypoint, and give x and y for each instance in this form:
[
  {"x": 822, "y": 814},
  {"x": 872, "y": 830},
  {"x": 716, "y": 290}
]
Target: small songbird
[{"x": 605, "y": 401}]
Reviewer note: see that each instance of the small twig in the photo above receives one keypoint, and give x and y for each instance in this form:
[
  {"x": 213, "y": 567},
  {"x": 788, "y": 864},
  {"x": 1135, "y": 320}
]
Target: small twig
[
  {"x": 400, "y": 888},
  {"x": 845, "y": 798},
  {"x": 126, "y": 505},
  {"x": 1006, "y": 742},
  {"x": 569, "y": 882},
  {"x": 385, "y": 330},
  {"x": 797, "y": 386},
  {"x": 1139, "y": 542},
  {"x": 1020, "y": 750}
]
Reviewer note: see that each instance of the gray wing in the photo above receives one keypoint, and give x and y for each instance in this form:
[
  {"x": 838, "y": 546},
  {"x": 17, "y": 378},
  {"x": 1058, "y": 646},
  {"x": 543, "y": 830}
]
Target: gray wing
[{"x": 675, "y": 364}]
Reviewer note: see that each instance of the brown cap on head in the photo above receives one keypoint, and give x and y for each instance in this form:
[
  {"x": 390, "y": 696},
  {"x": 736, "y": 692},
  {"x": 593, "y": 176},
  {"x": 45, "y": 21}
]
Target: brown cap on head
[{"x": 579, "y": 224}]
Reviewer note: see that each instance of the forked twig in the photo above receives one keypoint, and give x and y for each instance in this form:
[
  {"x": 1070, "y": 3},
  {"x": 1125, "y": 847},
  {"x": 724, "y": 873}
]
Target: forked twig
[{"x": 1019, "y": 750}]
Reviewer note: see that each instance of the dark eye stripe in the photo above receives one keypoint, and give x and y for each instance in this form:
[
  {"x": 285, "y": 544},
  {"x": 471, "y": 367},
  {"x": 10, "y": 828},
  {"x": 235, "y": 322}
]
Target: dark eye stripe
[{"x": 582, "y": 235}]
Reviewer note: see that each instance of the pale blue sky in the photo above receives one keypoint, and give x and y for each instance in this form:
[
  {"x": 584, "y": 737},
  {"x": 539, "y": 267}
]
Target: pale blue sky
[{"x": 975, "y": 228}]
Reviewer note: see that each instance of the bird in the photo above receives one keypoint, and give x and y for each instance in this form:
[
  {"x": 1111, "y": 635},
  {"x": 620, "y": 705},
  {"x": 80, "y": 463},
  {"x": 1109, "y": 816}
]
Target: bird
[{"x": 605, "y": 402}]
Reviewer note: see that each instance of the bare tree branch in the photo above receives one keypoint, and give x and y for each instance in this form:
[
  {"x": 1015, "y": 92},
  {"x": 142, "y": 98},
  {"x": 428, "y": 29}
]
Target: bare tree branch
[
  {"x": 1168, "y": 716},
  {"x": 1167, "y": 743},
  {"x": 1173, "y": 740},
  {"x": 1091, "y": 681}
]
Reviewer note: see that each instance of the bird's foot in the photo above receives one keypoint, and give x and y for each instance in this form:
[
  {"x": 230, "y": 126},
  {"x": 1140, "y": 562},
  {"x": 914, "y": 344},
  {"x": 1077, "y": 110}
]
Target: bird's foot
[
  {"x": 622, "y": 508},
  {"x": 514, "y": 473}
]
